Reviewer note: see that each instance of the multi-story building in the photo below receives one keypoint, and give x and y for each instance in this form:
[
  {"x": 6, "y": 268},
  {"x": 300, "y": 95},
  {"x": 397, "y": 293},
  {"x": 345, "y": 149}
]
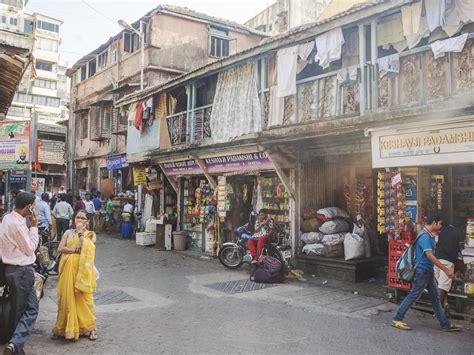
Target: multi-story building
[
  {"x": 284, "y": 15},
  {"x": 175, "y": 41},
  {"x": 43, "y": 91}
]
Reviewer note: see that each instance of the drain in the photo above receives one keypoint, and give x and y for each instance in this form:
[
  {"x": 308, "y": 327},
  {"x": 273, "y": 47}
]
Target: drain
[
  {"x": 238, "y": 286},
  {"x": 113, "y": 297}
]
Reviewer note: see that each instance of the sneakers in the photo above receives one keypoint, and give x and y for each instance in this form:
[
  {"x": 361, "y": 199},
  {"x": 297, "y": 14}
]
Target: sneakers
[
  {"x": 400, "y": 325},
  {"x": 9, "y": 349},
  {"x": 453, "y": 328}
]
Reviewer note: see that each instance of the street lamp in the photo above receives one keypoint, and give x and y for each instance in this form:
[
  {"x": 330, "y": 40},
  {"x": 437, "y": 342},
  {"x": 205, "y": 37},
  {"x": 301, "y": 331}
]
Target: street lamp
[{"x": 125, "y": 25}]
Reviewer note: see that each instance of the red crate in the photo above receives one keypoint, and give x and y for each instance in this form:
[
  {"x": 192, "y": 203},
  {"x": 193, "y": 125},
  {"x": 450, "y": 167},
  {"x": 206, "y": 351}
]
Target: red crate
[
  {"x": 395, "y": 282},
  {"x": 396, "y": 247},
  {"x": 408, "y": 237},
  {"x": 392, "y": 269},
  {"x": 392, "y": 259}
]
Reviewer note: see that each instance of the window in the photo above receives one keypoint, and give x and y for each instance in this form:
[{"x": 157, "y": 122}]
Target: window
[
  {"x": 104, "y": 173},
  {"x": 84, "y": 124},
  {"x": 102, "y": 59},
  {"x": 19, "y": 112},
  {"x": 13, "y": 21},
  {"x": 127, "y": 41},
  {"x": 132, "y": 41},
  {"x": 29, "y": 26},
  {"x": 46, "y": 84},
  {"x": 40, "y": 65},
  {"x": 92, "y": 67},
  {"x": 16, "y": 3},
  {"x": 83, "y": 72},
  {"x": 47, "y": 26},
  {"x": 218, "y": 43},
  {"x": 46, "y": 44},
  {"x": 37, "y": 100},
  {"x": 106, "y": 119},
  {"x": 114, "y": 56},
  {"x": 3, "y": 19}
]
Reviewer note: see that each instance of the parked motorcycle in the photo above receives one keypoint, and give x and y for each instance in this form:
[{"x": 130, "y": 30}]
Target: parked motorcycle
[{"x": 234, "y": 254}]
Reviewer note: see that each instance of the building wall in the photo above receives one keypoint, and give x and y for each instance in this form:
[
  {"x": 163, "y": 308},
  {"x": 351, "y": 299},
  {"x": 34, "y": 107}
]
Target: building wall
[{"x": 140, "y": 142}]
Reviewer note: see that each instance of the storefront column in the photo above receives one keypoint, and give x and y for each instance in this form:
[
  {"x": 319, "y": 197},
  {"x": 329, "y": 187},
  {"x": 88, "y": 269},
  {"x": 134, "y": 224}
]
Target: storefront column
[
  {"x": 179, "y": 202},
  {"x": 294, "y": 212}
]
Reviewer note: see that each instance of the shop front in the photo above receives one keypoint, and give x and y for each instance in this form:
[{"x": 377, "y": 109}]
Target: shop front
[
  {"x": 217, "y": 194},
  {"x": 422, "y": 169}
]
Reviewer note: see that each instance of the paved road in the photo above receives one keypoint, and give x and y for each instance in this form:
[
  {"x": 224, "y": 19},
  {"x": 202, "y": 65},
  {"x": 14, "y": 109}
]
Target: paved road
[{"x": 152, "y": 302}]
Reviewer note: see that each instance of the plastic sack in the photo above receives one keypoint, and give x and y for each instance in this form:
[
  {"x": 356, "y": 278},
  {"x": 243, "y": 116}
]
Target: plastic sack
[
  {"x": 333, "y": 251},
  {"x": 334, "y": 226},
  {"x": 333, "y": 212},
  {"x": 333, "y": 239},
  {"x": 309, "y": 213},
  {"x": 312, "y": 237},
  {"x": 354, "y": 246},
  {"x": 313, "y": 249},
  {"x": 360, "y": 231},
  {"x": 310, "y": 225}
]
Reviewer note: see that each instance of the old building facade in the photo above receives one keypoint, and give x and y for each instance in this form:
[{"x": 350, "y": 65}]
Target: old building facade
[{"x": 176, "y": 41}]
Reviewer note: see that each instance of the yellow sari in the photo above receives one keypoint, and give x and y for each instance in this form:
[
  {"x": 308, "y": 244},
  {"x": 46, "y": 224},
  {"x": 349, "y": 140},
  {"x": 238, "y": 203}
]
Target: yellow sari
[{"x": 76, "y": 286}]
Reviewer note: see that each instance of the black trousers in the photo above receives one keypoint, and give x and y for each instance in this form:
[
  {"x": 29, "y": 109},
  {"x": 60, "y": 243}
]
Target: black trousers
[
  {"x": 24, "y": 303},
  {"x": 62, "y": 225}
]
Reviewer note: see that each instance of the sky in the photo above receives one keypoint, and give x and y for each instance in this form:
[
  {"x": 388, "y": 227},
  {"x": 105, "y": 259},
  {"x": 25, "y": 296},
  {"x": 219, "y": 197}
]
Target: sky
[{"x": 89, "y": 23}]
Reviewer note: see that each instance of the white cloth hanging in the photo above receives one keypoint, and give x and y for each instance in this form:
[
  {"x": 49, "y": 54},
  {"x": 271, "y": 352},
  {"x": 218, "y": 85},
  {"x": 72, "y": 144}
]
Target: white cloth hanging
[
  {"x": 457, "y": 15},
  {"x": 329, "y": 47},
  {"x": 435, "y": 13},
  {"x": 276, "y": 109},
  {"x": 148, "y": 206},
  {"x": 291, "y": 61},
  {"x": 259, "y": 200},
  {"x": 389, "y": 65},
  {"x": 348, "y": 76},
  {"x": 236, "y": 109},
  {"x": 455, "y": 44},
  {"x": 411, "y": 15}
]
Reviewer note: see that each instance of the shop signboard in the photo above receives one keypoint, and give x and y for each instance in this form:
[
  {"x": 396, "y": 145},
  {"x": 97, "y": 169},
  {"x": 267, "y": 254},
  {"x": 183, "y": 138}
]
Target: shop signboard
[
  {"x": 238, "y": 162},
  {"x": 183, "y": 167},
  {"x": 14, "y": 145},
  {"x": 139, "y": 176},
  {"x": 117, "y": 162},
  {"x": 37, "y": 184},
  {"x": 437, "y": 146}
]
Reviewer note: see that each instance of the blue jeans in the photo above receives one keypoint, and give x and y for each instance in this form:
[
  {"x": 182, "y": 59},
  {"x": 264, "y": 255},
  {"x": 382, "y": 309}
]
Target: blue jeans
[
  {"x": 423, "y": 279},
  {"x": 24, "y": 303},
  {"x": 243, "y": 233}
]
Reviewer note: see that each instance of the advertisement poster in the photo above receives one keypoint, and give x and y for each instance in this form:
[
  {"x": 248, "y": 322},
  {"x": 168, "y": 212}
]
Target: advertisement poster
[
  {"x": 139, "y": 176},
  {"x": 14, "y": 145},
  {"x": 37, "y": 184}
]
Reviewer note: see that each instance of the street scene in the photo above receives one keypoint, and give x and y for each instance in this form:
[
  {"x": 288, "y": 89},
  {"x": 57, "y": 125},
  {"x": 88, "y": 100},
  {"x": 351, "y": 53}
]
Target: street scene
[{"x": 208, "y": 177}]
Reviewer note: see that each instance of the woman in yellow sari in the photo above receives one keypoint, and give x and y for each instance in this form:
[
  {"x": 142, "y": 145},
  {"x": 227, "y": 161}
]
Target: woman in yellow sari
[{"x": 77, "y": 282}]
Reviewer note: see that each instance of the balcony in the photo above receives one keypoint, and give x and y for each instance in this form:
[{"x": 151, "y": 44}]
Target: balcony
[
  {"x": 119, "y": 123},
  {"x": 202, "y": 123},
  {"x": 201, "y": 129},
  {"x": 177, "y": 128}
]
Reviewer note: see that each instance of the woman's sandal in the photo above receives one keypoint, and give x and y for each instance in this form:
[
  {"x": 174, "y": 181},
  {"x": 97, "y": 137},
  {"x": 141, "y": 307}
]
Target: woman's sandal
[{"x": 93, "y": 335}]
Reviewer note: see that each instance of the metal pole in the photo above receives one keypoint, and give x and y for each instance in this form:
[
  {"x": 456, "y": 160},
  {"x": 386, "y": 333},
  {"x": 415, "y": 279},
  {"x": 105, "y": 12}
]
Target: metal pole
[
  {"x": 142, "y": 38},
  {"x": 33, "y": 139},
  {"x": 363, "y": 81}
]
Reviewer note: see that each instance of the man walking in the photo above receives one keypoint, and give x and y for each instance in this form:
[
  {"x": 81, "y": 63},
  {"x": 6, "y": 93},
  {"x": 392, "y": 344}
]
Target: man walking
[
  {"x": 90, "y": 210},
  {"x": 63, "y": 213},
  {"x": 44, "y": 213},
  {"x": 424, "y": 278},
  {"x": 18, "y": 245}
]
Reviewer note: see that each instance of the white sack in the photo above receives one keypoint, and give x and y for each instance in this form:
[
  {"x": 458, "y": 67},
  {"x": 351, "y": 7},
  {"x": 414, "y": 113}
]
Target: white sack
[
  {"x": 354, "y": 247},
  {"x": 313, "y": 249},
  {"x": 333, "y": 239},
  {"x": 334, "y": 227},
  {"x": 312, "y": 237}
]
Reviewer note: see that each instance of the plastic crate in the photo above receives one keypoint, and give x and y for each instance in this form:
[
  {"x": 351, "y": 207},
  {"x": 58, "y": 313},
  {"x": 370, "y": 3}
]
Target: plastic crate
[
  {"x": 392, "y": 259},
  {"x": 395, "y": 282},
  {"x": 408, "y": 237},
  {"x": 396, "y": 247}
]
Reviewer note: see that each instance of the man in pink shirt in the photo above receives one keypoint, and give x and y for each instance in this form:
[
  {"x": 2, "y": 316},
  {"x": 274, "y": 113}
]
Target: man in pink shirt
[{"x": 18, "y": 244}]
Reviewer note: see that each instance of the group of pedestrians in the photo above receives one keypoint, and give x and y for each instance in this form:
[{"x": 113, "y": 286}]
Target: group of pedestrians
[{"x": 19, "y": 239}]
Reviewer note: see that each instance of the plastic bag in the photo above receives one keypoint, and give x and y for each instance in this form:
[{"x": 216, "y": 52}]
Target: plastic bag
[
  {"x": 312, "y": 237},
  {"x": 313, "y": 249},
  {"x": 333, "y": 239},
  {"x": 334, "y": 226},
  {"x": 360, "y": 231},
  {"x": 333, "y": 212},
  {"x": 354, "y": 246},
  {"x": 309, "y": 213},
  {"x": 310, "y": 225}
]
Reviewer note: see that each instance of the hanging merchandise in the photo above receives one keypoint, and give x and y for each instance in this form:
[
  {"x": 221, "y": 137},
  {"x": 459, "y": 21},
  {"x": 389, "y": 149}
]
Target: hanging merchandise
[
  {"x": 391, "y": 202},
  {"x": 274, "y": 198}
]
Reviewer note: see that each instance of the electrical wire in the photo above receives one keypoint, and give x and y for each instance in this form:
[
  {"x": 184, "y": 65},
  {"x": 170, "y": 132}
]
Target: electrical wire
[{"x": 99, "y": 12}]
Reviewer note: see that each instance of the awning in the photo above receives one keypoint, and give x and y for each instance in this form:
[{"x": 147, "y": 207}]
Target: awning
[{"x": 12, "y": 68}]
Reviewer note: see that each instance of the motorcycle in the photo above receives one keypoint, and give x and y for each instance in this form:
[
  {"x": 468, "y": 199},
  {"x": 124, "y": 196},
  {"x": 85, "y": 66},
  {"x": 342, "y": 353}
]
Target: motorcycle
[{"x": 234, "y": 254}]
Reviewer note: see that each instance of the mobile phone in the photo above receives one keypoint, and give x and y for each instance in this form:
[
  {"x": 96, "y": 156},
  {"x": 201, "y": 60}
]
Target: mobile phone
[{"x": 31, "y": 209}]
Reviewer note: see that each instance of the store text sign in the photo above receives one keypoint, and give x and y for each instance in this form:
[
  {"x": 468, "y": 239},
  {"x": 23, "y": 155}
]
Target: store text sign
[
  {"x": 14, "y": 145},
  {"x": 435, "y": 147},
  {"x": 238, "y": 162},
  {"x": 183, "y": 167},
  {"x": 118, "y": 162}
]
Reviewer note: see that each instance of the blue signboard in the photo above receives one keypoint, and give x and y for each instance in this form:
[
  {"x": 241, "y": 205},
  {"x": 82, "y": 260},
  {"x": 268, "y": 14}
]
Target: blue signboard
[{"x": 117, "y": 162}]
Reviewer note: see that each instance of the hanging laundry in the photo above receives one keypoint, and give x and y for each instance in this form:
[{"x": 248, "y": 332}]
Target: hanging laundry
[
  {"x": 276, "y": 109},
  {"x": 457, "y": 15},
  {"x": 455, "y": 44},
  {"x": 162, "y": 107},
  {"x": 350, "y": 49},
  {"x": 138, "y": 121},
  {"x": 288, "y": 66},
  {"x": 389, "y": 65},
  {"x": 390, "y": 32},
  {"x": 132, "y": 110},
  {"x": 348, "y": 76},
  {"x": 435, "y": 13},
  {"x": 148, "y": 110},
  {"x": 329, "y": 46},
  {"x": 411, "y": 15}
]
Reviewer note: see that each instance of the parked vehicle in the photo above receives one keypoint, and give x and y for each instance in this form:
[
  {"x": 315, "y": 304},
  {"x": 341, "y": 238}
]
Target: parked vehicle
[{"x": 234, "y": 254}]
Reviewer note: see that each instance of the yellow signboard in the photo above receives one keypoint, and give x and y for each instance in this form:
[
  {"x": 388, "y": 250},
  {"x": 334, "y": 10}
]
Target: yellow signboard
[{"x": 139, "y": 176}]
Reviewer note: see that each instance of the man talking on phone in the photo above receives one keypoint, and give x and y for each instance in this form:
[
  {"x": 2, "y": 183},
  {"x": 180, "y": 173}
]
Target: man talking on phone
[{"x": 18, "y": 245}]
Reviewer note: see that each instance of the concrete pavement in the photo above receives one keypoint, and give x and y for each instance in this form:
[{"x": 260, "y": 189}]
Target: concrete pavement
[{"x": 152, "y": 301}]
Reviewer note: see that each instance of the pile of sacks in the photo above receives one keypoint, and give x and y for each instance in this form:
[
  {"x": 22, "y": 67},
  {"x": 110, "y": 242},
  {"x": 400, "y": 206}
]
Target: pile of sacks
[{"x": 326, "y": 233}]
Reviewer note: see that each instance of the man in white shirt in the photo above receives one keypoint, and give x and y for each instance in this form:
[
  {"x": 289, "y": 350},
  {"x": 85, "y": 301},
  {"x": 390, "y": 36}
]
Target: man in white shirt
[
  {"x": 18, "y": 245},
  {"x": 63, "y": 213},
  {"x": 90, "y": 210}
]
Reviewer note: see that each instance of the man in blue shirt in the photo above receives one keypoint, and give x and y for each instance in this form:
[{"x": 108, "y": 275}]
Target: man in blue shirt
[
  {"x": 424, "y": 277},
  {"x": 44, "y": 212}
]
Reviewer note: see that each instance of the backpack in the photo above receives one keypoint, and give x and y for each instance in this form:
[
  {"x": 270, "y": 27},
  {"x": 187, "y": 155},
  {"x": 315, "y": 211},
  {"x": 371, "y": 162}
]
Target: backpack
[
  {"x": 262, "y": 275},
  {"x": 273, "y": 265},
  {"x": 405, "y": 267}
]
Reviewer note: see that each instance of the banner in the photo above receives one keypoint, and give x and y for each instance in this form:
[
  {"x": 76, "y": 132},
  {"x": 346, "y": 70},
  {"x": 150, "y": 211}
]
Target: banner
[
  {"x": 238, "y": 162},
  {"x": 14, "y": 145},
  {"x": 117, "y": 162},
  {"x": 184, "y": 167},
  {"x": 139, "y": 176}
]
